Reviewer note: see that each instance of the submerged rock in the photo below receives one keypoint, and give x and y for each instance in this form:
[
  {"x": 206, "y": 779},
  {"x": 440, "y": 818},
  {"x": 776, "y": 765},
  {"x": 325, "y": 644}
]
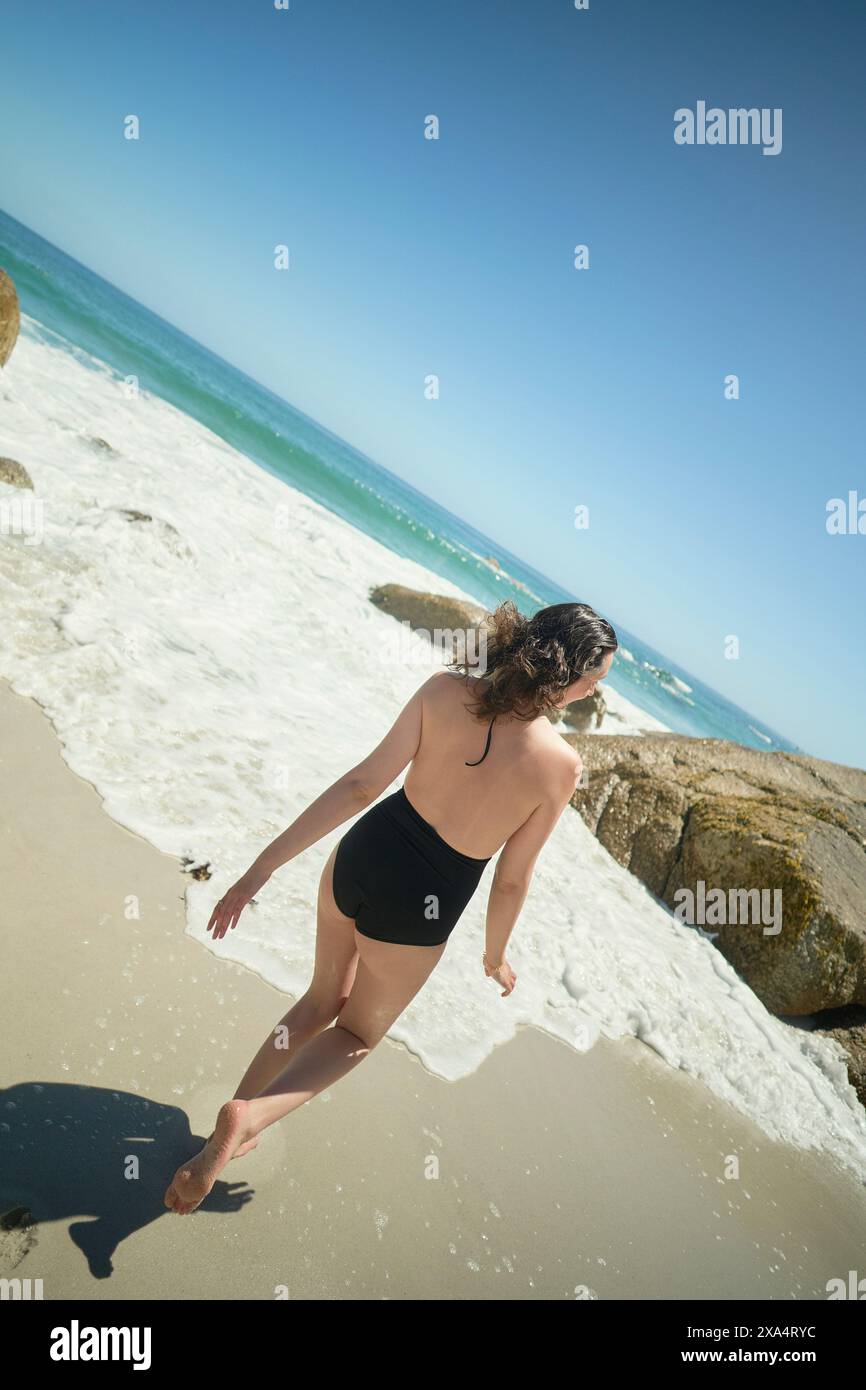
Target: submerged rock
[
  {"x": 682, "y": 812},
  {"x": 200, "y": 872},
  {"x": 15, "y": 474},
  {"x": 130, "y": 514}
]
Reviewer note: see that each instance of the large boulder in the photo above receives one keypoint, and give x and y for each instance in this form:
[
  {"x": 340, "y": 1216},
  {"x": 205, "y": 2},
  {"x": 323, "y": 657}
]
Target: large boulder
[
  {"x": 427, "y": 611},
  {"x": 681, "y": 812},
  {"x": 441, "y": 617},
  {"x": 10, "y": 317}
]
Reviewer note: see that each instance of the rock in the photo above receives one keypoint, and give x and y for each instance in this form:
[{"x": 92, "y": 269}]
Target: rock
[
  {"x": 428, "y": 611},
  {"x": 10, "y": 317},
  {"x": 676, "y": 811},
  {"x": 102, "y": 444},
  {"x": 583, "y": 715},
  {"x": 132, "y": 515},
  {"x": 15, "y": 474},
  {"x": 18, "y": 1236},
  {"x": 848, "y": 1028},
  {"x": 200, "y": 872}
]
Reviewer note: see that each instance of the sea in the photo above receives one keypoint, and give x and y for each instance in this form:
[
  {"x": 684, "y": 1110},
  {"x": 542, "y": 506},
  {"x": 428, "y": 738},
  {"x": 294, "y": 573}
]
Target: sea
[{"x": 186, "y": 595}]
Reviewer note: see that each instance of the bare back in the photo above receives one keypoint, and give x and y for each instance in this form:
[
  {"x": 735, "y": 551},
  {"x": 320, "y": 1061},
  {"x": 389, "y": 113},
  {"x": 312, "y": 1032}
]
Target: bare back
[{"x": 528, "y": 771}]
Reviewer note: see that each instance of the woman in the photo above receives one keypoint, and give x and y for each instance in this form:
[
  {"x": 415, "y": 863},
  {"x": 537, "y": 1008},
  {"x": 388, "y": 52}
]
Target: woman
[{"x": 394, "y": 887}]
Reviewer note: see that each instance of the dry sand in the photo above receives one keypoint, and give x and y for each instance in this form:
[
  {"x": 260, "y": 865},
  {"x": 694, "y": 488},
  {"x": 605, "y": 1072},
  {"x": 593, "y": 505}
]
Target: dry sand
[{"x": 561, "y": 1175}]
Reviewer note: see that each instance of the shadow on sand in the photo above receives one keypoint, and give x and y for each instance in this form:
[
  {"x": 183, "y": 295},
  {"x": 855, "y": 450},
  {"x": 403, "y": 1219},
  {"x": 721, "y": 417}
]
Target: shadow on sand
[{"x": 104, "y": 1156}]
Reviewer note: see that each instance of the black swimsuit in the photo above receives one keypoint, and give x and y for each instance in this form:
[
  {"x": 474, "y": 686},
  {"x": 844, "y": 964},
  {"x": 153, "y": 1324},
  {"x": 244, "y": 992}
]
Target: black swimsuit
[{"x": 397, "y": 877}]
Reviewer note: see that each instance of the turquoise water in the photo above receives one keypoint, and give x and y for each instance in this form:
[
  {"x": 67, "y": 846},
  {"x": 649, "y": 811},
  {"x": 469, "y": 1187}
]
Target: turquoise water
[{"x": 93, "y": 318}]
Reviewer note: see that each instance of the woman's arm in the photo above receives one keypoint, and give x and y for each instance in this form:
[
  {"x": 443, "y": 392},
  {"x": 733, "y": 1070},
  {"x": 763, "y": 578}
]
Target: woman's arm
[
  {"x": 343, "y": 799},
  {"x": 514, "y": 869},
  {"x": 351, "y": 793}
]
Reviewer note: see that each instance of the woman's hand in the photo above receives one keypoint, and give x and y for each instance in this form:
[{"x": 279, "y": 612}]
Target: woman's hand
[
  {"x": 503, "y": 975},
  {"x": 230, "y": 907}
]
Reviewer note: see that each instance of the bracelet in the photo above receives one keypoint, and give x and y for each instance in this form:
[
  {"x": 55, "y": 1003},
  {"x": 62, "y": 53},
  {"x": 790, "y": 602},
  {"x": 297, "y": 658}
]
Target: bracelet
[{"x": 485, "y": 961}]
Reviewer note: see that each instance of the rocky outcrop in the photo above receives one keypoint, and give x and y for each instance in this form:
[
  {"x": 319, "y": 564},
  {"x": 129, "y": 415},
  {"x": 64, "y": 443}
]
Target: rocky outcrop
[
  {"x": 15, "y": 474},
  {"x": 583, "y": 715},
  {"x": 681, "y": 812},
  {"x": 10, "y": 317}
]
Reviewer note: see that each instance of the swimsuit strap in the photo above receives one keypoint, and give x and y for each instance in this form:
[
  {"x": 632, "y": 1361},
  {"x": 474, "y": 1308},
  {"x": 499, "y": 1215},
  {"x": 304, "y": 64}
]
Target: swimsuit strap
[{"x": 486, "y": 746}]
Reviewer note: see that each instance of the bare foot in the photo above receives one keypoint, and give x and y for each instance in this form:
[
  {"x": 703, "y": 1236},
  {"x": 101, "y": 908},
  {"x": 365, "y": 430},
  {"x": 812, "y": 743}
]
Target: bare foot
[
  {"x": 244, "y": 1148},
  {"x": 195, "y": 1178}
]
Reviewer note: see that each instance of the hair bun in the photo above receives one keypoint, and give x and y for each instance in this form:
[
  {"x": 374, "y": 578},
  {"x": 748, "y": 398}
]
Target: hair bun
[{"x": 530, "y": 662}]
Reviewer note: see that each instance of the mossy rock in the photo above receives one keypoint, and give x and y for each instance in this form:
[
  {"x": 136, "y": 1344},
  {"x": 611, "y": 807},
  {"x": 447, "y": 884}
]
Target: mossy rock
[
  {"x": 802, "y": 949},
  {"x": 678, "y": 811}
]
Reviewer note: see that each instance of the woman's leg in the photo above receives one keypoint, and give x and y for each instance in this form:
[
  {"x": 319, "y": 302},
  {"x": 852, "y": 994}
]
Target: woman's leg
[
  {"x": 388, "y": 978},
  {"x": 333, "y": 976}
]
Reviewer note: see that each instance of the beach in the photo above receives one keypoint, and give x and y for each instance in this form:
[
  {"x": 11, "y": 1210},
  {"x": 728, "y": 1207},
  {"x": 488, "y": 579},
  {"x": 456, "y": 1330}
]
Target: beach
[
  {"x": 201, "y": 636},
  {"x": 561, "y": 1174},
  {"x": 190, "y": 655}
]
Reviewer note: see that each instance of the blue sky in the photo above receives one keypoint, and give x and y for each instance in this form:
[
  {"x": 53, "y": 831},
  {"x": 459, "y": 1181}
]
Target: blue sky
[{"x": 408, "y": 257}]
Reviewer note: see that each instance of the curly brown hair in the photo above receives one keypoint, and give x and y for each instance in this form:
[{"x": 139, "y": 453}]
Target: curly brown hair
[{"x": 530, "y": 662}]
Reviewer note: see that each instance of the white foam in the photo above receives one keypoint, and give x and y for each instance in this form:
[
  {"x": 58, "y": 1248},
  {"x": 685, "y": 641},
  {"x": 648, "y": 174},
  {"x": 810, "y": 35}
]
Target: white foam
[
  {"x": 760, "y": 735},
  {"x": 211, "y": 674}
]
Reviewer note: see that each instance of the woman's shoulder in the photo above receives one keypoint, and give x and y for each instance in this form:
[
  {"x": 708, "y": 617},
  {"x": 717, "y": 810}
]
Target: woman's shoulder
[
  {"x": 559, "y": 763},
  {"x": 447, "y": 683}
]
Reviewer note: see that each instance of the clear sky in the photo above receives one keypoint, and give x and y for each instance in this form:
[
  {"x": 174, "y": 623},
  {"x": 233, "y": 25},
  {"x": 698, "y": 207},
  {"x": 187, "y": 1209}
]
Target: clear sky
[{"x": 559, "y": 387}]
